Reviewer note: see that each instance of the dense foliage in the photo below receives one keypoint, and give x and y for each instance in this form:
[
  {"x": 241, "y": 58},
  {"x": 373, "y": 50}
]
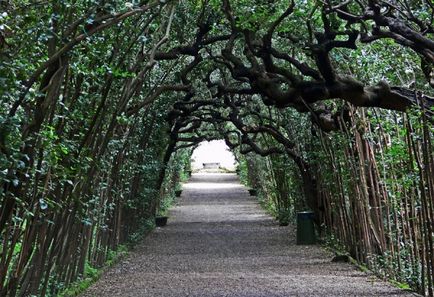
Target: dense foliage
[
  {"x": 102, "y": 100},
  {"x": 374, "y": 191}
]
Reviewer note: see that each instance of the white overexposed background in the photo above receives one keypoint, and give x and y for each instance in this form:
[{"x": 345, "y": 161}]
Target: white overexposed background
[{"x": 215, "y": 151}]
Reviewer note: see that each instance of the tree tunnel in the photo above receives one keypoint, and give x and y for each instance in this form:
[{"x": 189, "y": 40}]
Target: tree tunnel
[{"x": 326, "y": 105}]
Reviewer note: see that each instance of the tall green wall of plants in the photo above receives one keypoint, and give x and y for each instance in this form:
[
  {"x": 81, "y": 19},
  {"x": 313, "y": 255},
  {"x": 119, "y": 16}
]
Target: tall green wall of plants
[{"x": 375, "y": 183}]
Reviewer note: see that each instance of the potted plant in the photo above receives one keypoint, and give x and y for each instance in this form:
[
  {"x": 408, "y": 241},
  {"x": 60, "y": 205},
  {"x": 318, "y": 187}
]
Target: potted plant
[
  {"x": 283, "y": 217},
  {"x": 161, "y": 214},
  {"x": 161, "y": 220},
  {"x": 161, "y": 217}
]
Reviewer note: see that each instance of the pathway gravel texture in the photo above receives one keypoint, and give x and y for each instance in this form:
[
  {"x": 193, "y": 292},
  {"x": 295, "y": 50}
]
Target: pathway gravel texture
[{"x": 219, "y": 242}]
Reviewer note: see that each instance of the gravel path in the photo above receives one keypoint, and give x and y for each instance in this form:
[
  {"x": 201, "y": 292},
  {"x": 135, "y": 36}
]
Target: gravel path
[{"x": 219, "y": 242}]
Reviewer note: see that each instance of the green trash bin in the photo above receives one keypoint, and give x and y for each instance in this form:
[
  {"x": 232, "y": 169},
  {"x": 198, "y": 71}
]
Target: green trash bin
[{"x": 305, "y": 228}]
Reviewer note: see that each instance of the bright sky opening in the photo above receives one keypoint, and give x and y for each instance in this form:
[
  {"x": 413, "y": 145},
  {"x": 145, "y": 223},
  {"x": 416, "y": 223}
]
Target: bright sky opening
[{"x": 215, "y": 151}]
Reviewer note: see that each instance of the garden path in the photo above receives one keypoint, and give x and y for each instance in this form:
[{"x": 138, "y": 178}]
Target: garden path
[{"x": 219, "y": 242}]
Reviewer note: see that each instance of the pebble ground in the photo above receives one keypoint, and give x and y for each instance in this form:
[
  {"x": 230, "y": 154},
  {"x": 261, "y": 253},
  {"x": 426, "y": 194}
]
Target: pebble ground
[{"x": 219, "y": 242}]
